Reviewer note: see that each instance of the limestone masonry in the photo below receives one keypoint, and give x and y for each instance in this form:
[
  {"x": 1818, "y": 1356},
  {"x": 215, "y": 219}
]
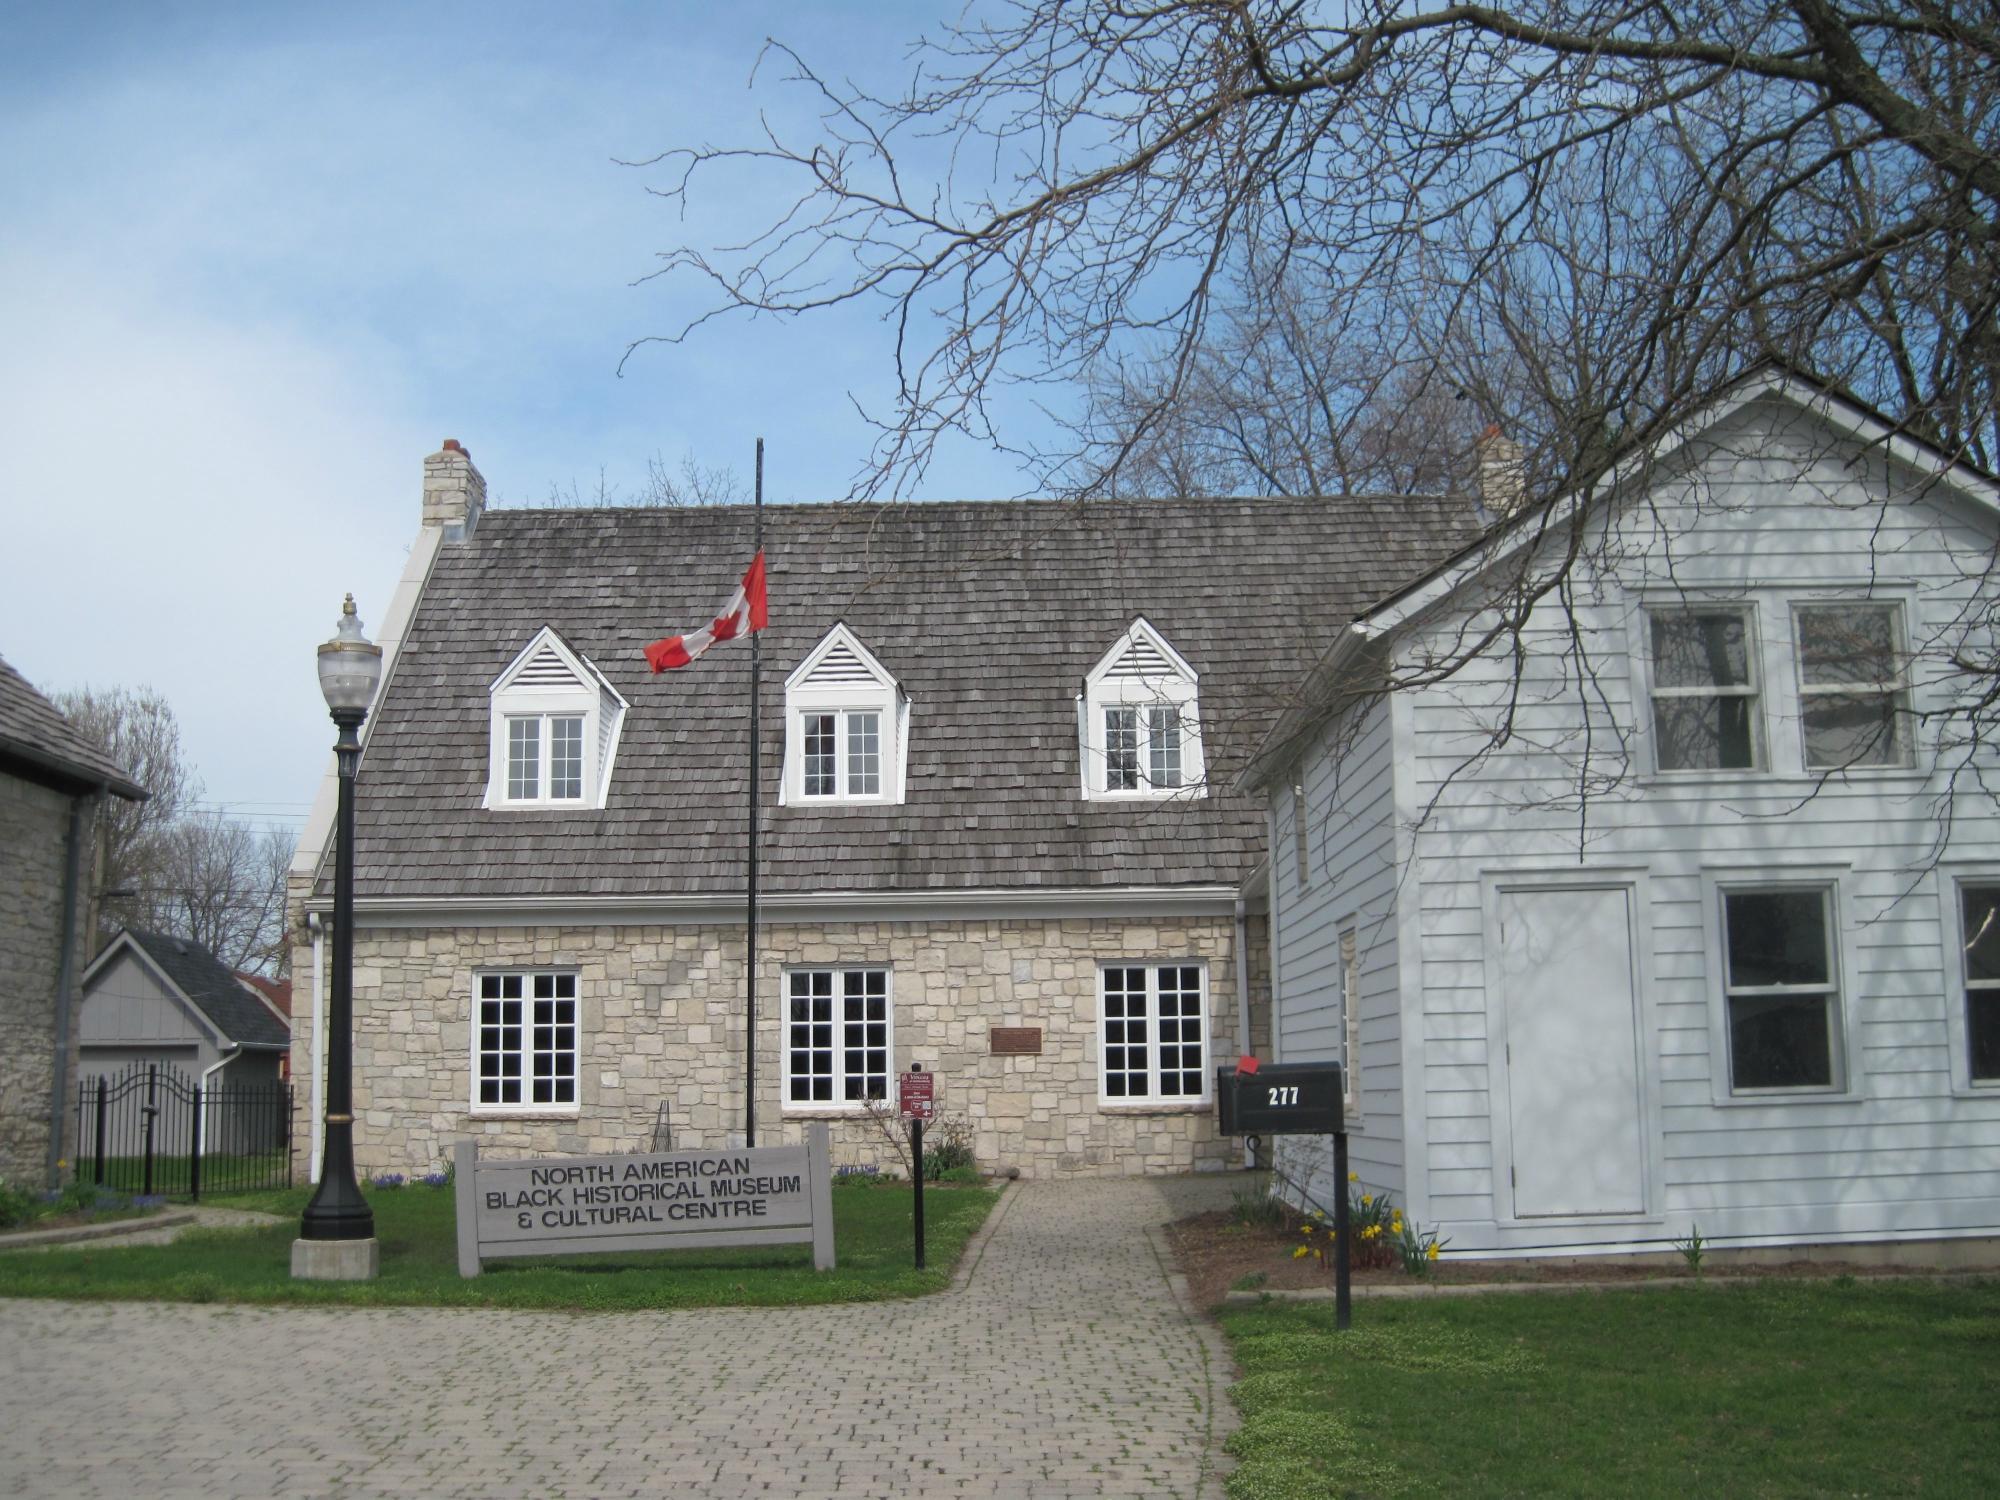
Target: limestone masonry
[{"x": 661, "y": 1019}]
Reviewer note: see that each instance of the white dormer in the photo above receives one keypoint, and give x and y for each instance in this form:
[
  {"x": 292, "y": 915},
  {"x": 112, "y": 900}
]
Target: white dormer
[
  {"x": 1139, "y": 721},
  {"x": 554, "y": 730},
  {"x": 846, "y": 728}
]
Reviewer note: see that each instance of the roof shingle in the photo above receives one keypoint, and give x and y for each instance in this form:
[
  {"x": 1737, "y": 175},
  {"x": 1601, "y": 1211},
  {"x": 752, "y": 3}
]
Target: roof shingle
[{"x": 988, "y": 614}]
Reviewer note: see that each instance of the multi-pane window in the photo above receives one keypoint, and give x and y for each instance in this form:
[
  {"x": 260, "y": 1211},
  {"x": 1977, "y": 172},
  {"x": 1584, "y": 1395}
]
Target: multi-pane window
[
  {"x": 1853, "y": 708},
  {"x": 864, "y": 755},
  {"x": 1163, "y": 745},
  {"x": 1121, "y": 749},
  {"x": 842, "y": 753},
  {"x": 1142, "y": 747},
  {"x": 1781, "y": 988},
  {"x": 1705, "y": 714},
  {"x": 822, "y": 758},
  {"x": 556, "y": 777},
  {"x": 524, "y": 759},
  {"x": 1153, "y": 1033},
  {"x": 836, "y": 1036},
  {"x": 1979, "y": 911},
  {"x": 524, "y": 1041}
]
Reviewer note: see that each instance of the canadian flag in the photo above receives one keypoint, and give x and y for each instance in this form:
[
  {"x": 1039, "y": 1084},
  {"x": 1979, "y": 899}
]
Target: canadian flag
[{"x": 746, "y": 611}]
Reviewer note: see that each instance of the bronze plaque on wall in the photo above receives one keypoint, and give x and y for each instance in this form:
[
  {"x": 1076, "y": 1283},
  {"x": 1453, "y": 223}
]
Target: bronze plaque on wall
[{"x": 1015, "y": 1041}]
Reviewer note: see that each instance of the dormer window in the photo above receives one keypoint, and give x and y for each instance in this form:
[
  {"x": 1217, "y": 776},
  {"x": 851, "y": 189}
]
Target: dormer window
[
  {"x": 1140, "y": 721},
  {"x": 554, "y": 729},
  {"x": 846, "y": 727}
]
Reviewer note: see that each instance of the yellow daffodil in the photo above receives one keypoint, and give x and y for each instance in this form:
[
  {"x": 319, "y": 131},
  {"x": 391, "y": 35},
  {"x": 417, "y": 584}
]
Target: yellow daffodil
[
  {"x": 1299, "y": 1251},
  {"x": 1432, "y": 1250},
  {"x": 1353, "y": 1176},
  {"x": 1366, "y": 1200}
]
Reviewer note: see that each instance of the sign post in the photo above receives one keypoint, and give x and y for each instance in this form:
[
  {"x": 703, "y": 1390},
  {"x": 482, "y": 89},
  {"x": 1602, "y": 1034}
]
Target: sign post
[
  {"x": 916, "y": 1101},
  {"x": 1296, "y": 1099}
]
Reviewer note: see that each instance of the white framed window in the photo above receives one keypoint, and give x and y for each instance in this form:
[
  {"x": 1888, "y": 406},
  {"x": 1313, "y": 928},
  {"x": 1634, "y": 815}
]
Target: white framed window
[
  {"x": 1139, "y": 721},
  {"x": 837, "y": 1037},
  {"x": 524, "y": 1042},
  {"x": 555, "y": 725},
  {"x": 1781, "y": 991},
  {"x": 1706, "y": 702},
  {"x": 1979, "y": 973},
  {"x": 1350, "y": 1015},
  {"x": 1854, "y": 708},
  {"x": 846, "y": 727},
  {"x": 1152, "y": 1033}
]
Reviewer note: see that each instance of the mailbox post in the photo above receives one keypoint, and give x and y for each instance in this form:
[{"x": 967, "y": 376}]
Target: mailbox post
[{"x": 1295, "y": 1099}]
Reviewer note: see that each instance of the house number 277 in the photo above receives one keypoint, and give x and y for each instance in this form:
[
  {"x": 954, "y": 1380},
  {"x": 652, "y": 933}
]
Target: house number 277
[{"x": 1286, "y": 1095}]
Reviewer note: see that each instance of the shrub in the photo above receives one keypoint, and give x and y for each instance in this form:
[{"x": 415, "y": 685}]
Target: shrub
[
  {"x": 17, "y": 1206},
  {"x": 948, "y": 1147},
  {"x": 387, "y": 1180},
  {"x": 1256, "y": 1207}
]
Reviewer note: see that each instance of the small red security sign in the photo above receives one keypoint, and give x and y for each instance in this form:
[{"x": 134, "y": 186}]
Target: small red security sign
[{"x": 916, "y": 1096}]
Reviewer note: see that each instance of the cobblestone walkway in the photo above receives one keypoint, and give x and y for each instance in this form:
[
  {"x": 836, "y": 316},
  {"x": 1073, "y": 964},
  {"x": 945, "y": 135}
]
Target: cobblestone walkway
[{"x": 1063, "y": 1366}]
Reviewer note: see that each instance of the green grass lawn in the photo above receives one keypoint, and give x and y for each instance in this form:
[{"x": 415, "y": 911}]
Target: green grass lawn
[
  {"x": 872, "y": 1244},
  {"x": 1759, "y": 1389}
]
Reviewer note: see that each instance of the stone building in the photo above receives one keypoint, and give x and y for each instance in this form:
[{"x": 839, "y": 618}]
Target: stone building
[
  {"x": 53, "y": 783},
  {"x": 999, "y": 837}
]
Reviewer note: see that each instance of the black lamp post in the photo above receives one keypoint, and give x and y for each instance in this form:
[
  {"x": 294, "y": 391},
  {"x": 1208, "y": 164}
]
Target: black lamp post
[{"x": 350, "y": 666}]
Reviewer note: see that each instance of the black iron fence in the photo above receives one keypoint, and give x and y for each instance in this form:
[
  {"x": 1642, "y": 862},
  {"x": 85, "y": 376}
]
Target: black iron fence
[{"x": 153, "y": 1129}]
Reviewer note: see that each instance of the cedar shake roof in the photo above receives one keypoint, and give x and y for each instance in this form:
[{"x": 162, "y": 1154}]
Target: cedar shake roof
[
  {"x": 987, "y": 614},
  {"x": 34, "y": 734},
  {"x": 242, "y": 1018}
]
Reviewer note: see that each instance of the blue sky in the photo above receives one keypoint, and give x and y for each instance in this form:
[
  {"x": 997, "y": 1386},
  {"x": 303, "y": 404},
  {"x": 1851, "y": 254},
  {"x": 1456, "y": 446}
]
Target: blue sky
[{"x": 259, "y": 260}]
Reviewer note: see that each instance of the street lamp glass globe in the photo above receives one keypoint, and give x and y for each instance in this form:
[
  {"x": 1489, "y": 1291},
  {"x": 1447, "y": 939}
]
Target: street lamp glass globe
[{"x": 350, "y": 665}]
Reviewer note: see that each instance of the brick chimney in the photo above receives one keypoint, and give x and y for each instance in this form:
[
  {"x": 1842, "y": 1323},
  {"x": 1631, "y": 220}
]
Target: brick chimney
[
  {"x": 454, "y": 492},
  {"x": 1502, "y": 478}
]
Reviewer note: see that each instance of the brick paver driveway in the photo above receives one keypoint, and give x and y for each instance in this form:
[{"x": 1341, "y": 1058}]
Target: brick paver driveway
[{"x": 1063, "y": 1365}]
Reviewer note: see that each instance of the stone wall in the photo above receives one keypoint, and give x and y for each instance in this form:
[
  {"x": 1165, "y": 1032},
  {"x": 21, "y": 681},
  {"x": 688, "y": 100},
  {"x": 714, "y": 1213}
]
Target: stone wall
[
  {"x": 34, "y": 842},
  {"x": 661, "y": 1020}
]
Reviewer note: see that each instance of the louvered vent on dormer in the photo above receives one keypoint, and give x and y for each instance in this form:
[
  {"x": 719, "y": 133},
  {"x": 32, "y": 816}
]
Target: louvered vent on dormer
[
  {"x": 546, "y": 669},
  {"x": 840, "y": 667},
  {"x": 1141, "y": 659}
]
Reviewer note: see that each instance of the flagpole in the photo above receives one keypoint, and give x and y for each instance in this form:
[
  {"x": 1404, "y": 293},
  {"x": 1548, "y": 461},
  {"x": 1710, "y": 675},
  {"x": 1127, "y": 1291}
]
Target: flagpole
[{"x": 750, "y": 883}]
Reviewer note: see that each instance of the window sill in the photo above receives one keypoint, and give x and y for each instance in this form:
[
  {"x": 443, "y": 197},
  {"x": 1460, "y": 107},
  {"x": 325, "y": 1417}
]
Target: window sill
[
  {"x": 1154, "y": 1107},
  {"x": 810, "y": 804},
  {"x": 827, "y": 1111},
  {"x": 490, "y": 1112},
  {"x": 1789, "y": 1097},
  {"x": 1757, "y": 780}
]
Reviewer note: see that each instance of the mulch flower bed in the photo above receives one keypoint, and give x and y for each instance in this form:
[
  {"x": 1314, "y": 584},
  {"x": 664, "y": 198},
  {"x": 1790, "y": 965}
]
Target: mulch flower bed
[{"x": 1218, "y": 1253}]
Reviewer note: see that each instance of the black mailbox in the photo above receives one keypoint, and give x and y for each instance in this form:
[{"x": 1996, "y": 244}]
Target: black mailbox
[{"x": 1281, "y": 1099}]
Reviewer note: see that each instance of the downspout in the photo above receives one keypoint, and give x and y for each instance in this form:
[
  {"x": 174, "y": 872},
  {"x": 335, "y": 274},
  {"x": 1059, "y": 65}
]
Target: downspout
[
  {"x": 1243, "y": 994},
  {"x": 318, "y": 1086},
  {"x": 66, "y": 978}
]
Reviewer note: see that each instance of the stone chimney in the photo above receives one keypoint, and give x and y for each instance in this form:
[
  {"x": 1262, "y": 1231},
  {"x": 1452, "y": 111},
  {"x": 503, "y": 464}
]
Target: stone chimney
[
  {"x": 1502, "y": 476},
  {"x": 454, "y": 492}
]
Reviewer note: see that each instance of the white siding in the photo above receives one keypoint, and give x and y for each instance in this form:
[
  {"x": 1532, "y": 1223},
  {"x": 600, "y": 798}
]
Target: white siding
[
  {"x": 1351, "y": 883},
  {"x": 1779, "y": 514}
]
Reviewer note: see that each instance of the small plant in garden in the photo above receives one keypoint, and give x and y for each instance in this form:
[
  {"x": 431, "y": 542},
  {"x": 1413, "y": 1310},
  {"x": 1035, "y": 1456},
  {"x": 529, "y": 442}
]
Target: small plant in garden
[
  {"x": 16, "y": 1206},
  {"x": 1692, "y": 1249},
  {"x": 947, "y": 1147},
  {"x": 436, "y": 1179},
  {"x": 387, "y": 1180},
  {"x": 1256, "y": 1207}
]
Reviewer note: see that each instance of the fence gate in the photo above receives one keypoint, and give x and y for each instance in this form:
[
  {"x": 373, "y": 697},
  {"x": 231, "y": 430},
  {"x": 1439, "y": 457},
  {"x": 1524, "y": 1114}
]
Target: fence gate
[{"x": 154, "y": 1129}]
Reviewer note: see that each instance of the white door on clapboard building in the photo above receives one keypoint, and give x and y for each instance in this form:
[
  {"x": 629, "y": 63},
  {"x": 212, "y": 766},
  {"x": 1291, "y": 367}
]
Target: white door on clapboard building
[{"x": 1568, "y": 1033}]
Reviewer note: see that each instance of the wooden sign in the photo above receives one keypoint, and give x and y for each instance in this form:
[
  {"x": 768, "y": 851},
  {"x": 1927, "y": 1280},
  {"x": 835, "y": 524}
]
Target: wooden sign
[
  {"x": 1015, "y": 1041},
  {"x": 584, "y": 1205}
]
